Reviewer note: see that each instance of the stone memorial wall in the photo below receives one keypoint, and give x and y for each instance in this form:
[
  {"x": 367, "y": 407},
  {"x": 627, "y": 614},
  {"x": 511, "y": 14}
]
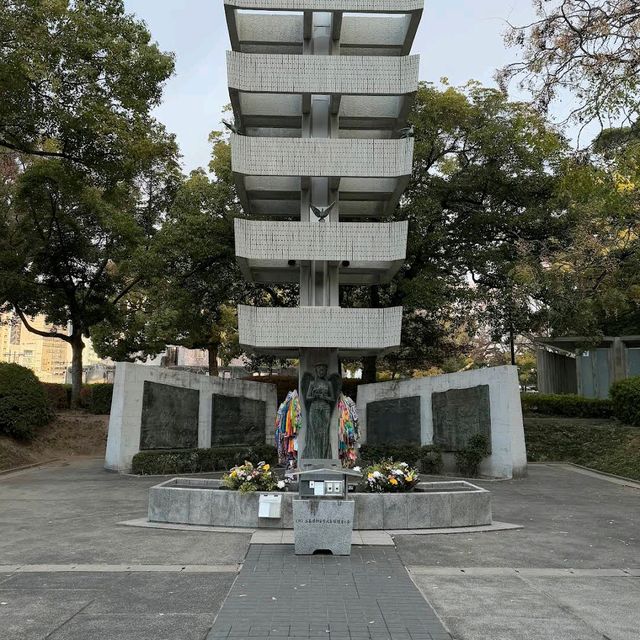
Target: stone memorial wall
[
  {"x": 157, "y": 408},
  {"x": 451, "y": 409}
]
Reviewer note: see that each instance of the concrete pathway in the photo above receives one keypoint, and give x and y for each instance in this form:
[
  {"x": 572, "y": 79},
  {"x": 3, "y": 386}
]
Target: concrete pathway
[
  {"x": 69, "y": 570},
  {"x": 367, "y": 596},
  {"x": 110, "y": 606}
]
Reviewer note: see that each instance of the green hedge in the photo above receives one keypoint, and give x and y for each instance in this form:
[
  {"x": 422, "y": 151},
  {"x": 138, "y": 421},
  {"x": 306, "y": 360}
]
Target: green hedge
[
  {"x": 24, "y": 406},
  {"x": 570, "y": 406},
  {"x": 59, "y": 395},
  {"x": 200, "y": 460},
  {"x": 95, "y": 398},
  {"x": 625, "y": 398},
  {"x": 427, "y": 459},
  {"x": 98, "y": 398},
  {"x": 609, "y": 446}
]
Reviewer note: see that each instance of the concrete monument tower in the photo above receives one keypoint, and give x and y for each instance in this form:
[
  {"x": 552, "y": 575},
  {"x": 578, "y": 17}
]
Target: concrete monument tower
[{"x": 320, "y": 91}]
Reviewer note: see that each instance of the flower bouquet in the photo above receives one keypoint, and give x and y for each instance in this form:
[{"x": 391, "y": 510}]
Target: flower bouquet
[
  {"x": 390, "y": 477},
  {"x": 247, "y": 477}
]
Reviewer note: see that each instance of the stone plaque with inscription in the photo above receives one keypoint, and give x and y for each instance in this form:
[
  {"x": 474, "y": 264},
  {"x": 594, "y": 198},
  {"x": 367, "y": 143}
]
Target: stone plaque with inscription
[
  {"x": 237, "y": 420},
  {"x": 393, "y": 421},
  {"x": 323, "y": 525},
  {"x": 459, "y": 414},
  {"x": 169, "y": 417}
]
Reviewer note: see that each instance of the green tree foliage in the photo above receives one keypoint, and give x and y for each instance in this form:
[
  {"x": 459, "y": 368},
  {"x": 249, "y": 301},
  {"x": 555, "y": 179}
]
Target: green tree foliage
[
  {"x": 85, "y": 171},
  {"x": 591, "y": 279},
  {"x": 481, "y": 197},
  {"x": 78, "y": 79},
  {"x": 191, "y": 284}
]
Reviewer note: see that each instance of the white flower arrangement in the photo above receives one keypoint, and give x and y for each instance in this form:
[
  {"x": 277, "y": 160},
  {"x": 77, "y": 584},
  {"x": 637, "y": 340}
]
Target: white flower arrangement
[{"x": 390, "y": 477}]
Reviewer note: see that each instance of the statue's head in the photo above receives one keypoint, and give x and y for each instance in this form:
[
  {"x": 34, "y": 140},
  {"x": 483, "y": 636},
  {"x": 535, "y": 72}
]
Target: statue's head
[{"x": 321, "y": 370}]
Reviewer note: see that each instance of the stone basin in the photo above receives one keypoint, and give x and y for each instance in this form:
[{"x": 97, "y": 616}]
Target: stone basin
[{"x": 435, "y": 505}]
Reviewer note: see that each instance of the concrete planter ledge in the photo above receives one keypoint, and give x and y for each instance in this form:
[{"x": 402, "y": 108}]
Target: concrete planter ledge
[{"x": 438, "y": 505}]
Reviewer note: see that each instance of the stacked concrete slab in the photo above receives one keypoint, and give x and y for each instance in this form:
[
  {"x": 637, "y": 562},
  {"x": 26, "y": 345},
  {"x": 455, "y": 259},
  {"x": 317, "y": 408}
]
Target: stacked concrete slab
[{"x": 320, "y": 91}]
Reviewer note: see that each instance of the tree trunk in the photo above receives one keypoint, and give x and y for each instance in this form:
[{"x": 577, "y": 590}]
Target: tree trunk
[
  {"x": 212, "y": 350},
  {"x": 77, "y": 346},
  {"x": 369, "y": 369}
]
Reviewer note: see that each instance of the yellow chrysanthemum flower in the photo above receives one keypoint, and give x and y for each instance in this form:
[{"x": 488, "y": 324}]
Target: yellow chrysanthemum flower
[
  {"x": 266, "y": 467},
  {"x": 393, "y": 481}
]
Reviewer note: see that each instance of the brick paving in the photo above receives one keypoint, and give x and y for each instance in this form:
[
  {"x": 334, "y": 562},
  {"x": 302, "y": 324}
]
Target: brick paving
[{"x": 368, "y": 596}]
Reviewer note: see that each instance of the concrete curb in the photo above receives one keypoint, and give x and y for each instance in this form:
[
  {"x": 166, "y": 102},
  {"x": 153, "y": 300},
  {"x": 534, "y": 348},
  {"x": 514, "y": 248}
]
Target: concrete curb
[
  {"x": 26, "y": 467},
  {"x": 281, "y": 534},
  {"x": 603, "y": 475},
  {"x": 531, "y": 572},
  {"x": 120, "y": 568}
]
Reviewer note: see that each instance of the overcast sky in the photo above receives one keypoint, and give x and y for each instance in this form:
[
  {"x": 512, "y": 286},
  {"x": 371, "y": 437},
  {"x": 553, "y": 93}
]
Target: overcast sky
[{"x": 458, "y": 39}]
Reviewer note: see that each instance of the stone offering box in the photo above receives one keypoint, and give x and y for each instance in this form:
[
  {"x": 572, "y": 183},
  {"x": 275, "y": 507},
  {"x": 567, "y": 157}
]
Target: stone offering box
[{"x": 435, "y": 505}]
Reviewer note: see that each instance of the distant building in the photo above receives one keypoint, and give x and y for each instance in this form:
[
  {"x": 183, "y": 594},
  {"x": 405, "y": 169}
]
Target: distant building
[
  {"x": 564, "y": 366},
  {"x": 48, "y": 358}
]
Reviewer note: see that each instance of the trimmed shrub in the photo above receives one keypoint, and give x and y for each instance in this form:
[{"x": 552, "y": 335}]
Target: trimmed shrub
[
  {"x": 468, "y": 459},
  {"x": 200, "y": 460},
  {"x": 99, "y": 398},
  {"x": 59, "y": 395},
  {"x": 263, "y": 453},
  {"x": 570, "y": 406},
  {"x": 625, "y": 398},
  {"x": 430, "y": 461},
  {"x": 24, "y": 406},
  {"x": 95, "y": 398},
  {"x": 427, "y": 459}
]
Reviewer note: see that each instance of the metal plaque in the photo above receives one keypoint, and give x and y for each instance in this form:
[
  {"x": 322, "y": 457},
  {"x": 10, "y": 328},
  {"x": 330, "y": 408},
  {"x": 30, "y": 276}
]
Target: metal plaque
[
  {"x": 169, "y": 417},
  {"x": 394, "y": 421},
  {"x": 459, "y": 414},
  {"x": 237, "y": 420}
]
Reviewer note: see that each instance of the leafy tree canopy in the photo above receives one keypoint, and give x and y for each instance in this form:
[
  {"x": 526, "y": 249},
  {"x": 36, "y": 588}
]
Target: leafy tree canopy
[
  {"x": 78, "y": 79},
  {"x": 482, "y": 195},
  {"x": 86, "y": 172},
  {"x": 587, "y": 47}
]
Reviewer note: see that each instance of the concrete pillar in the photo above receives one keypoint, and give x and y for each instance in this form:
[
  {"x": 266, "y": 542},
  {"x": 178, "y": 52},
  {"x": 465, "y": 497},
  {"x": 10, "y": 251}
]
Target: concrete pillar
[{"x": 319, "y": 285}]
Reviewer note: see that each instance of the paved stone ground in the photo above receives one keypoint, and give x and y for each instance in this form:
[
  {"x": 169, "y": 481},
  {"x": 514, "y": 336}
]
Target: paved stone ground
[
  {"x": 573, "y": 572},
  {"x": 367, "y": 596},
  {"x": 571, "y": 520},
  {"x": 579, "y": 555},
  {"x": 65, "y": 514},
  {"x": 110, "y": 606}
]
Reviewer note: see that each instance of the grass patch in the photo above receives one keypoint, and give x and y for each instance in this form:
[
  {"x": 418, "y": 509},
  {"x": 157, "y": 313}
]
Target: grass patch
[{"x": 604, "y": 445}]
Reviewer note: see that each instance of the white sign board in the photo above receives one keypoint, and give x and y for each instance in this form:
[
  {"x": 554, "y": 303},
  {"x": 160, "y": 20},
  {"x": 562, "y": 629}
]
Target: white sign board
[{"x": 270, "y": 506}]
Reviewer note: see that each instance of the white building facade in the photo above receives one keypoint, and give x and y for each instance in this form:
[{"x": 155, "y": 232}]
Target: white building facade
[{"x": 320, "y": 91}]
